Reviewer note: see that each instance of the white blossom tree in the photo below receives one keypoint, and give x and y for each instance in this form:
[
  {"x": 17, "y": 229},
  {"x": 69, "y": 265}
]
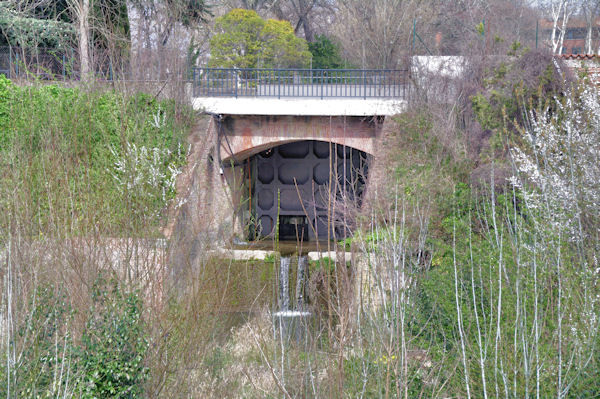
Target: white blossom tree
[
  {"x": 558, "y": 175},
  {"x": 562, "y": 160}
]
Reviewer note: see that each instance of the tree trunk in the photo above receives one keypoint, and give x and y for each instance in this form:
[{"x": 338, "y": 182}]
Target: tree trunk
[
  {"x": 561, "y": 11},
  {"x": 302, "y": 10},
  {"x": 83, "y": 13},
  {"x": 308, "y": 33}
]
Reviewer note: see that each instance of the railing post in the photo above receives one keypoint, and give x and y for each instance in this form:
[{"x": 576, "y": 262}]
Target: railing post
[
  {"x": 364, "y": 84},
  {"x": 235, "y": 82},
  {"x": 194, "y": 85},
  {"x": 278, "y": 84},
  {"x": 322, "y": 80},
  {"x": 404, "y": 86},
  {"x": 207, "y": 73}
]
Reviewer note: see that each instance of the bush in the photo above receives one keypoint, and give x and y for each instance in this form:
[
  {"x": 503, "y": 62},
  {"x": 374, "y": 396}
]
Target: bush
[
  {"x": 44, "y": 346},
  {"x": 113, "y": 346},
  {"x": 106, "y": 362},
  {"x": 325, "y": 53},
  {"x": 244, "y": 40}
]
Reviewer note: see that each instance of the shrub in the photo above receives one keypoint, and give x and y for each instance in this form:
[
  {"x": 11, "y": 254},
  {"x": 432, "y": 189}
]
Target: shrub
[
  {"x": 113, "y": 346},
  {"x": 325, "y": 53},
  {"x": 245, "y": 40}
]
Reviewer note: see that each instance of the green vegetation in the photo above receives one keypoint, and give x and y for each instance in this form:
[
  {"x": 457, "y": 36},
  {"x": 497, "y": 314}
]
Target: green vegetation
[
  {"x": 34, "y": 30},
  {"x": 110, "y": 155},
  {"x": 106, "y": 361},
  {"x": 244, "y": 40},
  {"x": 79, "y": 166},
  {"x": 325, "y": 53},
  {"x": 474, "y": 273},
  {"x": 113, "y": 345},
  {"x": 54, "y": 24}
]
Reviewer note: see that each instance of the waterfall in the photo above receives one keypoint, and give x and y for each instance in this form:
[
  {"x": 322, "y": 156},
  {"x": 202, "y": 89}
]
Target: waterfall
[
  {"x": 284, "y": 299},
  {"x": 291, "y": 319},
  {"x": 284, "y": 283},
  {"x": 301, "y": 279}
]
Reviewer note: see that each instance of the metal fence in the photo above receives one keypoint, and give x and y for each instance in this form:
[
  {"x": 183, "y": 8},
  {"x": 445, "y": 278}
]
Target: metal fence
[
  {"x": 315, "y": 83},
  {"x": 49, "y": 64},
  {"x": 56, "y": 64}
]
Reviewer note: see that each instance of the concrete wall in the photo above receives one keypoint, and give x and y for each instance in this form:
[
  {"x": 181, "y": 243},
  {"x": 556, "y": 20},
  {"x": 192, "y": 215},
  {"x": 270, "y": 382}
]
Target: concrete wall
[{"x": 302, "y": 106}]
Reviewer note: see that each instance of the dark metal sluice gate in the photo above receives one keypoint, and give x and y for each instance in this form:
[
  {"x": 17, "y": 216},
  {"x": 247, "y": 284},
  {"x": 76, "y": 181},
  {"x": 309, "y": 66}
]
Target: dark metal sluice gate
[{"x": 304, "y": 186}]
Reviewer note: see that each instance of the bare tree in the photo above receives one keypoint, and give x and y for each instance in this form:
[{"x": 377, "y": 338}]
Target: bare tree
[
  {"x": 256, "y": 5},
  {"x": 81, "y": 11},
  {"x": 167, "y": 35},
  {"x": 560, "y": 11},
  {"x": 590, "y": 10},
  {"x": 303, "y": 9},
  {"x": 490, "y": 26},
  {"x": 374, "y": 33}
]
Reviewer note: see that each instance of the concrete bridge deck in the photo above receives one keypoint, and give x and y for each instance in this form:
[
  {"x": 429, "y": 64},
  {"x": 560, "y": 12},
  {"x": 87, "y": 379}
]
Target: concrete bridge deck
[{"x": 300, "y": 92}]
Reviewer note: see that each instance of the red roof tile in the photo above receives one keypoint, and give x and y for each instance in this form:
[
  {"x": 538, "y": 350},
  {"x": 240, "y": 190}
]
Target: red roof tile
[{"x": 582, "y": 57}]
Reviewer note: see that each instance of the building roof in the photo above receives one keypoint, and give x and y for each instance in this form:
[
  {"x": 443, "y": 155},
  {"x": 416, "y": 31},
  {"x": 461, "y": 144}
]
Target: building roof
[
  {"x": 572, "y": 23},
  {"x": 590, "y": 63},
  {"x": 580, "y": 57}
]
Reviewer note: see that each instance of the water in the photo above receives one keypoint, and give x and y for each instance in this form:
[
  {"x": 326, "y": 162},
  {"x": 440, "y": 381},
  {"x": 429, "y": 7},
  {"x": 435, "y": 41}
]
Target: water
[
  {"x": 284, "y": 299},
  {"x": 301, "y": 279},
  {"x": 291, "y": 322},
  {"x": 284, "y": 283}
]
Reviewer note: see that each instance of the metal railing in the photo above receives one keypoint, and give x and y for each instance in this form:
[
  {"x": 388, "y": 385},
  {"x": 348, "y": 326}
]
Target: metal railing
[{"x": 315, "y": 83}]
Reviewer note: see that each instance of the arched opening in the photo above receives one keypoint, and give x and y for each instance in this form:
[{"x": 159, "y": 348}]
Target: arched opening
[{"x": 303, "y": 191}]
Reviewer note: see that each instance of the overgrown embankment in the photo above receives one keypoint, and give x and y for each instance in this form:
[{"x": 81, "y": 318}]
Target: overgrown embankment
[
  {"x": 77, "y": 162},
  {"x": 85, "y": 178},
  {"x": 483, "y": 249}
]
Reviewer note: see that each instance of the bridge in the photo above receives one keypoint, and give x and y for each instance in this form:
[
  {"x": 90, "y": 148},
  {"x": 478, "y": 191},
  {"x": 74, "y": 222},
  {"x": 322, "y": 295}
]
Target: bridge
[{"x": 291, "y": 140}]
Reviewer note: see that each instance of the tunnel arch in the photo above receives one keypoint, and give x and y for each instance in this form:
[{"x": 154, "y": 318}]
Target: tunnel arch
[
  {"x": 241, "y": 137},
  {"x": 242, "y": 154}
]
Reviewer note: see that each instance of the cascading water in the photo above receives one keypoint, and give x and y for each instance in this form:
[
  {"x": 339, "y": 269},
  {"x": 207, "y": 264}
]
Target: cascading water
[
  {"x": 290, "y": 322},
  {"x": 301, "y": 279},
  {"x": 284, "y": 283}
]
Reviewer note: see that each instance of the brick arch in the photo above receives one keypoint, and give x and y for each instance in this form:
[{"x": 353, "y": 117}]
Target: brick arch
[
  {"x": 248, "y": 152},
  {"x": 242, "y": 137}
]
